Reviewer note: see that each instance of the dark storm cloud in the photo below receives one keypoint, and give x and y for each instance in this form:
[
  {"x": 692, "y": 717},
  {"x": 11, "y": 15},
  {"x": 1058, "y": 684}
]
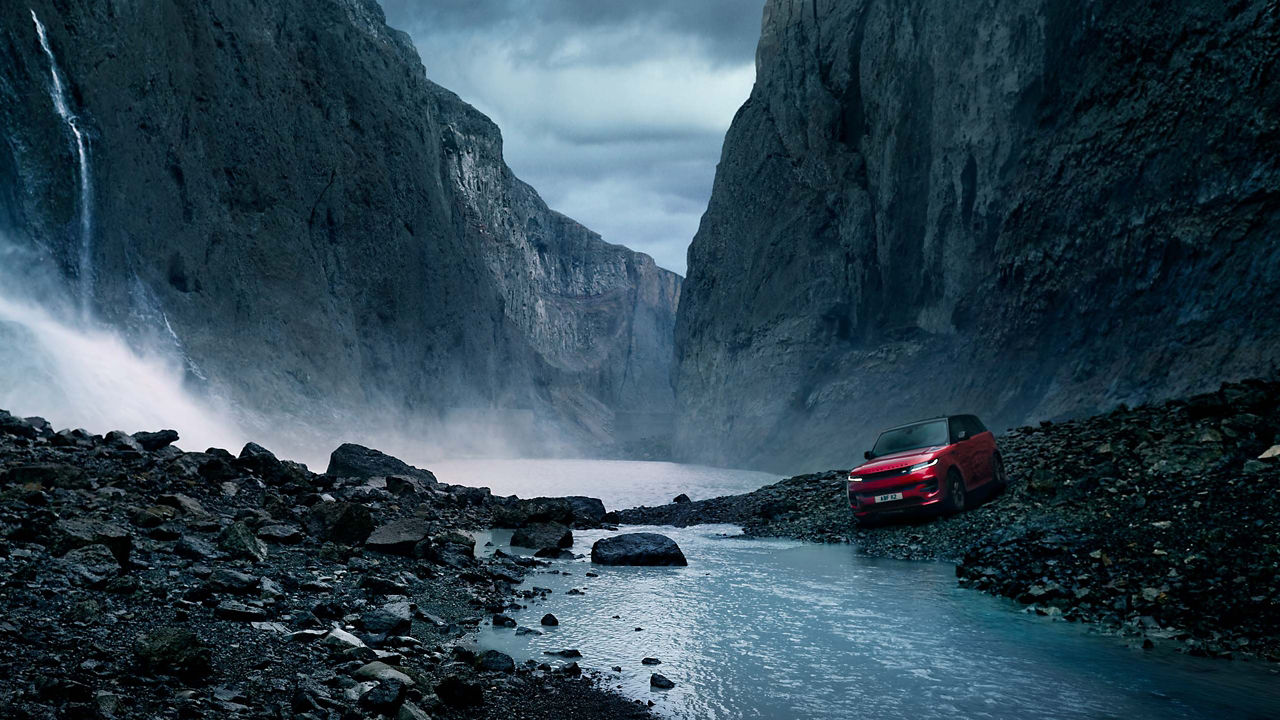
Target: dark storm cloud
[
  {"x": 614, "y": 111},
  {"x": 727, "y": 28}
]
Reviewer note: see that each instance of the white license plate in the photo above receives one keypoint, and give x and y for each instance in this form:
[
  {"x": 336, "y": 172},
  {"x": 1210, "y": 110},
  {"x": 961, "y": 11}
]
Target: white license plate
[{"x": 888, "y": 498}]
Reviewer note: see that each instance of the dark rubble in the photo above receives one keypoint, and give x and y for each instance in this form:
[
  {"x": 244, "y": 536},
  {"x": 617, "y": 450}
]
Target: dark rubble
[
  {"x": 1159, "y": 522},
  {"x": 141, "y": 581}
]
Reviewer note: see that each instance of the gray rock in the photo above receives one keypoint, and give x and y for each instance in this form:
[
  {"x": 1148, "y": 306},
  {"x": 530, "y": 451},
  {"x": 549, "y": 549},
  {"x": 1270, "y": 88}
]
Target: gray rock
[
  {"x": 550, "y": 620},
  {"x": 543, "y": 535},
  {"x": 91, "y": 565},
  {"x": 897, "y": 196},
  {"x": 230, "y": 610},
  {"x": 399, "y": 537},
  {"x": 49, "y": 475},
  {"x": 340, "y": 522},
  {"x": 391, "y": 619},
  {"x": 385, "y": 697},
  {"x": 660, "y": 682},
  {"x": 282, "y": 534},
  {"x": 231, "y": 581},
  {"x": 574, "y": 510},
  {"x": 194, "y": 548},
  {"x": 68, "y": 534},
  {"x": 409, "y": 711},
  {"x": 119, "y": 440},
  {"x": 378, "y": 670},
  {"x": 494, "y": 661},
  {"x": 239, "y": 541},
  {"x": 153, "y": 441},
  {"x": 351, "y": 460},
  {"x": 637, "y": 549}
]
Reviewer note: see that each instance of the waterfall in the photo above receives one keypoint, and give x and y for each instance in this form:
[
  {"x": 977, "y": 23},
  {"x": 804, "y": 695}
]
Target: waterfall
[{"x": 84, "y": 270}]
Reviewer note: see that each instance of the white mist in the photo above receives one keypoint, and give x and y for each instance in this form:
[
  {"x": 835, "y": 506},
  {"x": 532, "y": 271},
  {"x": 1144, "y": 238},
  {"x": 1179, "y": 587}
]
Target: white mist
[{"x": 89, "y": 377}]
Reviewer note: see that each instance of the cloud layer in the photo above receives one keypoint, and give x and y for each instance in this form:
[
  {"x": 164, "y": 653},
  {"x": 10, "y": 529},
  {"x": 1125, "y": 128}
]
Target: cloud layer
[{"x": 613, "y": 110}]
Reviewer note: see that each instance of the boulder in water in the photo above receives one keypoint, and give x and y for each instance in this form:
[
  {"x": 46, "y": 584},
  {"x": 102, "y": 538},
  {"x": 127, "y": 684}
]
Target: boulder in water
[{"x": 637, "y": 549}]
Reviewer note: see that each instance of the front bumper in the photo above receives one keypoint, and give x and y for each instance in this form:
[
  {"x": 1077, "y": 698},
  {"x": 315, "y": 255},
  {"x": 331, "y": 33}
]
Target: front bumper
[{"x": 918, "y": 490}]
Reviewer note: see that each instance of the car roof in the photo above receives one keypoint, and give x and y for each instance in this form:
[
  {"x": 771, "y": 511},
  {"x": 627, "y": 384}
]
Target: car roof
[{"x": 917, "y": 422}]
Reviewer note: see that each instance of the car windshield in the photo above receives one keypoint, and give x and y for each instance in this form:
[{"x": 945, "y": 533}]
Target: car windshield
[{"x": 910, "y": 437}]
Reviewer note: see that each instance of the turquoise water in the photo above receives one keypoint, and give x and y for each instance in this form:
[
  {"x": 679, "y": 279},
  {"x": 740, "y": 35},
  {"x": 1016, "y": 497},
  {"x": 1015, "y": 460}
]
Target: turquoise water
[{"x": 783, "y": 629}]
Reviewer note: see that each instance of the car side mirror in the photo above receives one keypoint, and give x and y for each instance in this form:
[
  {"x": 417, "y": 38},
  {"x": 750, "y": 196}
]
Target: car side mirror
[
  {"x": 962, "y": 436},
  {"x": 867, "y": 455}
]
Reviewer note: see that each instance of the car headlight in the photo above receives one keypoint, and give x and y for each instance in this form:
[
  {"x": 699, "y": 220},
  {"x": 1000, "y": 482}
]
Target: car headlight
[
  {"x": 920, "y": 466},
  {"x": 854, "y": 478}
]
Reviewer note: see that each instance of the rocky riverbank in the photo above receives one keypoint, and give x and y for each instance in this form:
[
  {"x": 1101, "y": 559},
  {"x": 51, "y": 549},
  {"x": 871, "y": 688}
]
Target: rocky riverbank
[
  {"x": 1159, "y": 522},
  {"x": 141, "y": 581}
]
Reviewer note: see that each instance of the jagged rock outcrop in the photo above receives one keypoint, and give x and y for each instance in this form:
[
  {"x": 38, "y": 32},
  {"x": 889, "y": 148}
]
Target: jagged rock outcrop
[
  {"x": 320, "y": 224},
  {"x": 1025, "y": 210}
]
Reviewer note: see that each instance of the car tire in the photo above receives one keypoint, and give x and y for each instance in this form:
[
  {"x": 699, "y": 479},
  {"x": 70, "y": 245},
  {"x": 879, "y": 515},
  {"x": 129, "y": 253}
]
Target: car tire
[
  {"x": 956, "y": 494},
  {"x": 999, "y": 477},
  {"x": 866, "y": 522}
]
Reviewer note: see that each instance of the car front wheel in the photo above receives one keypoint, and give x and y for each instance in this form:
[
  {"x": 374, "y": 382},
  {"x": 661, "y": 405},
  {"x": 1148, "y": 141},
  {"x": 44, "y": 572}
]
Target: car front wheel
[{"x": 956, "y": 495}]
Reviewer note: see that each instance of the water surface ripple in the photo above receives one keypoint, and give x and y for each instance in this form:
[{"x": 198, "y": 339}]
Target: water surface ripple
[{"x": 783, "y": 629}]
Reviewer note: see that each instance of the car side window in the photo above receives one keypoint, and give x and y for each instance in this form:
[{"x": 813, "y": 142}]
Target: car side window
[
  {"x": 956, "y": 425},
  {"x": 976, "y": 426}
]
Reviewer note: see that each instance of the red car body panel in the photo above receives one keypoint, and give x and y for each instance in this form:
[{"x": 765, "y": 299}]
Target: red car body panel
[{"x": 925, "y": 488}]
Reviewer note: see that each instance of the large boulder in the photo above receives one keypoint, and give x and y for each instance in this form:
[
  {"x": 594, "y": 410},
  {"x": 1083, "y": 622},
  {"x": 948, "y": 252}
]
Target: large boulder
[
  {"x": 543, "y": 535},
  {"x": 10, "y": 425},
  {"x": 340, "y": 522},
  {"x": 399, "y": 537},
  {"x": 576, "y": 510},
  {"x": 68, "y": 534},
  {"x": 91, "y": 565},
  {"x": 152, "y": 441},
  {"x": 637, "y": 549},
  {"x": 238, "y": 540},
  {"x": 358, "y": 461}
]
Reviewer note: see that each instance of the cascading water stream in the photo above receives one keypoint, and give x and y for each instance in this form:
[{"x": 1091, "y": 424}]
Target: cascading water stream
[{"x": 80, "y": 140}]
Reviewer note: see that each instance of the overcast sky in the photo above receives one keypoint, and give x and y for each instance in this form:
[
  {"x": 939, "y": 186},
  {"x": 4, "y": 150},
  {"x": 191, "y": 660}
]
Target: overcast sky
[{"x": 614, "y": 110}]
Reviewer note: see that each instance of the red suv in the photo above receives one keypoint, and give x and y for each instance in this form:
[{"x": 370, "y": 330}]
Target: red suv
[{"x": 930, "y": 464}]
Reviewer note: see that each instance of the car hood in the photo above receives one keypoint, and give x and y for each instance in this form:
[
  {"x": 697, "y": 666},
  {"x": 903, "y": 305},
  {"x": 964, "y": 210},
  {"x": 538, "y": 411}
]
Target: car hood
[{"x": 897, "y": 460}]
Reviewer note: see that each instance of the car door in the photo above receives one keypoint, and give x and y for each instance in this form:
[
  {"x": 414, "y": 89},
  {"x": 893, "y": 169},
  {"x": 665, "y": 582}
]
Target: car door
[
  {"x": 963, "y": 450},
  {"x": 984, "y": 446}
]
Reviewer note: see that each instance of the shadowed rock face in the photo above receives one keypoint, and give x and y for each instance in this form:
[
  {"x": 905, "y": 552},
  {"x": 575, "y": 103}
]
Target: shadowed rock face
[
  {"x": 317, "y": 221},
  {"x": 1025, "y": 210}
]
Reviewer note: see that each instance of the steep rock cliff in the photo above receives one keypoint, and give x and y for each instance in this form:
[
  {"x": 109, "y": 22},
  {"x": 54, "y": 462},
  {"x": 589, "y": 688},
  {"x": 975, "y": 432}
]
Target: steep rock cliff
[
  {"x": 1027, "y": 210},
  {"x": 325, "y": 231}
]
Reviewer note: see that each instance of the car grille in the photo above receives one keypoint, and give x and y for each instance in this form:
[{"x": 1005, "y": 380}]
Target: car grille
[{"x": 896, "y": 472}]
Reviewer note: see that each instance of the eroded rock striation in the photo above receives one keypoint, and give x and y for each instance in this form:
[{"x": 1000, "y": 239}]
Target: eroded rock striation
[
  {"x": 319, "y": 224},
  {"x": 1026, "y": 210}
]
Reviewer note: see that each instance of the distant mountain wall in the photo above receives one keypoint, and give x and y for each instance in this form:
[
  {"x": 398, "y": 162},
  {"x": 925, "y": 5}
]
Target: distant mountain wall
[
  {"x": 1028, "y": 210},
  {"x": 326, "y": 232}
]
